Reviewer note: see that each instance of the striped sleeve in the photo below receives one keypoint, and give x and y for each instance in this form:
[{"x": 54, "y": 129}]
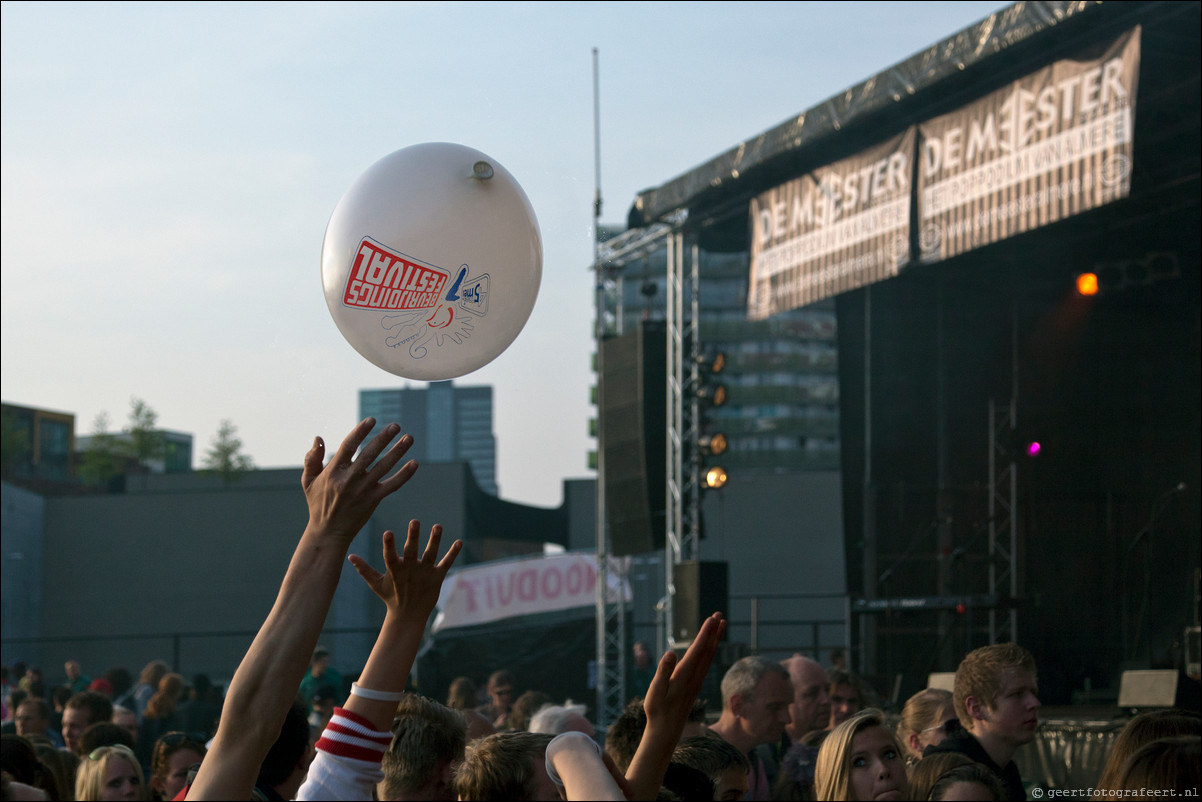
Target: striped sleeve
[
  {"x": 349, "y": 735},
  {"x": 347, "y": 765}
]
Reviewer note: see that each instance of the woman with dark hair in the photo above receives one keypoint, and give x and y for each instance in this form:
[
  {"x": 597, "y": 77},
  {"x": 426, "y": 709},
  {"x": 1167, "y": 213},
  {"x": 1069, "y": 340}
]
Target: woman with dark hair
[{"x": 174, "y": 755}]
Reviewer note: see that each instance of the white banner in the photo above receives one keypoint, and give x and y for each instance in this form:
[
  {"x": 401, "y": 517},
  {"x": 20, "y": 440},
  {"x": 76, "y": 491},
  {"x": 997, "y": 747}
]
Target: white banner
[
  {"x": 837, "y": 228},
  {"x": 525, "y": 586},
  {"x": 1053, "y": 144}
]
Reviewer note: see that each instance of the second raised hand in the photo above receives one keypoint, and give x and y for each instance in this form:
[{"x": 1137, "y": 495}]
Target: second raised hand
[{"x": 411, "y": 585}]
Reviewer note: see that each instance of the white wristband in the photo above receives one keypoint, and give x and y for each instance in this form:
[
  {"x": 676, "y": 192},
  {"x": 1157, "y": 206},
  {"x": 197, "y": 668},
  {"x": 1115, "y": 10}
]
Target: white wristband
[{"x": 377, "y": 696}]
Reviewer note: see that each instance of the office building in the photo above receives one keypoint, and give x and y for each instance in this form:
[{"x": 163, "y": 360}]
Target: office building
[{"x": 448, "y": 424}]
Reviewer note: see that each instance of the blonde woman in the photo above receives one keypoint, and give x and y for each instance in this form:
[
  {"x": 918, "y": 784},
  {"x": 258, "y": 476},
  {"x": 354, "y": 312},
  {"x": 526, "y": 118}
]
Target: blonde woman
[
  {"x": 861, "y": 760},
  {"x": 928, "y": 717},
  {"x": 110, "y": 773}
]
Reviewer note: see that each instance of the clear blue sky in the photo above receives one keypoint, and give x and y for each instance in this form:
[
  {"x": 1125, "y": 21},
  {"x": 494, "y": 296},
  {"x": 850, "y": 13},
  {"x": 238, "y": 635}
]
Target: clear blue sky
[{"x": 168, "y": 170}]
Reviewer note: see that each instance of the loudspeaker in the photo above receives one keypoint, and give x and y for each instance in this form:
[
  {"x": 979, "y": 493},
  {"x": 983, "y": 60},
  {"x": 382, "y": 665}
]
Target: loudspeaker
[
  {"x": 942, "y": 680},
  {"x": 702, "y": 589},
  {"x": 634, "y": 421},
  {"x": 1158, "y": 689}
]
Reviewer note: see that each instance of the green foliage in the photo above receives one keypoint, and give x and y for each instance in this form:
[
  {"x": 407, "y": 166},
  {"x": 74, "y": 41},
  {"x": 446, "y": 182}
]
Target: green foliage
[
  {"x": 105, "y": 458},
  {"x": 14, "y": 443},
  {"x": 145, "y": 441},
  {"x": 224, "y": 457}
]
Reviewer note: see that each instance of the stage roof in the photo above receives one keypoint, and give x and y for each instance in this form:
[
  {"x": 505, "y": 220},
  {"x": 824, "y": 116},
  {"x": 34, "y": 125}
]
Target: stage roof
[{"x": 976, "y": 60}]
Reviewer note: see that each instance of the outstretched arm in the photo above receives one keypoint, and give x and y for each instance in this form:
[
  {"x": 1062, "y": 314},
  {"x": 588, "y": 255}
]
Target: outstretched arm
[
  {"x": 341, "y": 497},
  {"x": 351, "y": 748},
  {"x": 410, "y": 590},
  {"x": 668, "y": 701}
]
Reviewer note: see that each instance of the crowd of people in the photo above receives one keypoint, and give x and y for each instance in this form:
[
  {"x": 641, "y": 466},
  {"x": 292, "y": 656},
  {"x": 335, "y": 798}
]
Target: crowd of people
[{"x": 291, "y": 727}]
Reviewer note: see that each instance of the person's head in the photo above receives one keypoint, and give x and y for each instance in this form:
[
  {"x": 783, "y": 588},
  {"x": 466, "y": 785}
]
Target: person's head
[
  {"x": 846, "y": 696},
  {"x": 504, "y": 766},
  {"x": 757, "y": 693},
  {"x": 995, "y": 694},
  {"x": 288, "y": 759},
  {"x": 625, "y": 732},
  {"x": 59, "y": 696},
  {"x": 173, "y": 755},
  {"x": 811, "y": 707},
  {"x": 500, "y": 689},
  {"x": 478, "y": 725},
  {"x": 18, "y": 759},
  {"x": 104, "y": 733},
  {"x": 102, "y": 686},
  {"x": 201, "y": 688},
  {"x": 839, "y": 658},
  {"x": 109, "y": 773},
  {"x": 927, "y": 718},
  {"x": 725, "y": 765},
  {"x": 558, "y": 719},
  {"x": 73, "y": 670},
  {"x": 323, "y": 702},
  {"x": 82, "y": 711},
  {"x": 1141, "y": 730},
  {"x": 428, "y": 740},
  {"x": 1167, "y": 764},
  {"x": 695, "y": 724},
  {"x": 641, "y": 654},
  {"x": 32, "y": 717},
  {"x": 860, "y": 760},
  {"x": 320, "y": 662},
  {"x": 524, "y": 708},
  {"x": 462, "y": 694},
  {"x": 61, "y": 765},
  {"x": 14, "y": 697},
  {"x": 124, "y": 717},
  {"x": 166, "y": 698},
  {"x": 120, "y": 679},
  {"x": 927, "y": 771},
  {"x": 685, "y": 782},
  {"x": 968, "y": 783},
  {"x": 152, "y": 672}
]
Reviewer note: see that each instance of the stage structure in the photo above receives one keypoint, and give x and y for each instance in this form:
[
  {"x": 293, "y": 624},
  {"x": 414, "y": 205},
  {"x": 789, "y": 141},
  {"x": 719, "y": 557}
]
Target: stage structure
[{"x": 1006, "y": 440}]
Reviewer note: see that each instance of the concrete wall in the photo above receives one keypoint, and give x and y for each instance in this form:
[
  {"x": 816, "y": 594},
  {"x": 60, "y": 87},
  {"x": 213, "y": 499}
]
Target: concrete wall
[
  {"x": 22, "y": 516},
  {"x": 186, "y": 568}
]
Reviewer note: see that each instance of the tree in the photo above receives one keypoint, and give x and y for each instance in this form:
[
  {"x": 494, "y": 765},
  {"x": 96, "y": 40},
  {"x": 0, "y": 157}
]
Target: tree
[
  {"x": 224, "y": 457},
  {"x": 146, "y": 442},
  {"x": 14, "y": 444},
  {"x": 105, "y": 457}
]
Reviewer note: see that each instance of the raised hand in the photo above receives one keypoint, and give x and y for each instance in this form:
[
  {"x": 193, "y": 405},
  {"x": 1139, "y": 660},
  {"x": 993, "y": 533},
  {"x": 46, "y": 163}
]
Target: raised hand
[
  {"x": 667, "y": 703},
  {"x": 410, "y": 585},
  {"x": 343, "y": 494},
  {"x": 676, "y": 684}
]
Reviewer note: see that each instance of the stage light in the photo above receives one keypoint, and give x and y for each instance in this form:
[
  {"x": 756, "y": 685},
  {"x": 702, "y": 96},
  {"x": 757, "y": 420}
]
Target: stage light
[
  {"x": 713, "y": 445},
  {"x": 1087, "y": 284},
  {"x": 1034, "y": 448},
  {"x": 715, "y": 478},
  {"x": 713, "y": 395}
]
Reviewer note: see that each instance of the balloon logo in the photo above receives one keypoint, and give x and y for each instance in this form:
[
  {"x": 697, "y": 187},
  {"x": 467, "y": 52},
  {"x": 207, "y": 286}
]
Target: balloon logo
[{"x": 432, "y": 261}]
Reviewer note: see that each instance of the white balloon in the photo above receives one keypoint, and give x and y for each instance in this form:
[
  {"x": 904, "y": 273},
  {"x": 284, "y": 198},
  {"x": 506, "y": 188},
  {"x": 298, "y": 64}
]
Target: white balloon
[{"x": 432, "y": 261}]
